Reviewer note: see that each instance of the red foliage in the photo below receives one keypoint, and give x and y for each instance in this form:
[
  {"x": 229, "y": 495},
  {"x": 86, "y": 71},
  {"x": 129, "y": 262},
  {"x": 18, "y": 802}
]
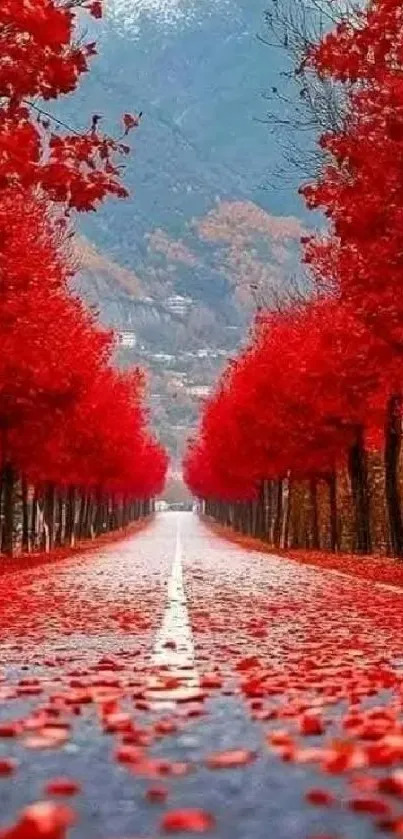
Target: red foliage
[
  {"x": 66, "y": 416},
  {"x": 290, "y": 403},
  {"x": 359, "y": 187},
  {"x": 316, "y": 376},
  {"x": 44, "y": 57}
]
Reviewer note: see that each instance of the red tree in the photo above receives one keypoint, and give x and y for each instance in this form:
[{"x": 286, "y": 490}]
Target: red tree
[
  {"x": 296, "y": 405},
  {"x": 43, "y": 57},
  {"x": 360, "y": 191}
]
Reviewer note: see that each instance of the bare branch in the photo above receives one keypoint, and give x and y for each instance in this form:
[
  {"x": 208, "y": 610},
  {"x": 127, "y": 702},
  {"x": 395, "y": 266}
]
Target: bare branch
[{"x": 303, "y": 104}]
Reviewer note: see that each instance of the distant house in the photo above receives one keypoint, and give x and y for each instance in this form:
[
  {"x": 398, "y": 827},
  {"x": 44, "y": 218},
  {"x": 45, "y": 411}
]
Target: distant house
[
  {"x": 162, "y": 356},
  {"x": 199, "y": 391},
  {"x": 127, "y": 339},
  {"x": 177, "y": 381},
  {"x": 179, "y": 305},
  {"x": 161, "y": 506}
]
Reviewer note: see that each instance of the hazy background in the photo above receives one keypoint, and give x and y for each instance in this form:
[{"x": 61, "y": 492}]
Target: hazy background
[{"x": 208, "y": 215}]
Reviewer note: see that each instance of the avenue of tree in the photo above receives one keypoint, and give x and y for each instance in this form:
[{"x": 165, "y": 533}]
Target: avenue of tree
[
  {"x": 301, "y": 441},
  {"x": 77, "y": 458}
]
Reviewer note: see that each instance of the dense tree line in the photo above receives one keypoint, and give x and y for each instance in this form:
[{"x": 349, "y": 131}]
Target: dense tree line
[
  {"x": 310, "y": 414},
  {"x": 77, "y": 458}
]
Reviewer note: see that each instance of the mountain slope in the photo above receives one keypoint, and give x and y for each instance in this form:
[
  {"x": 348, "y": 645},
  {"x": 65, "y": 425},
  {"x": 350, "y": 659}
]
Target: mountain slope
[{"x": 197, "y": 71}]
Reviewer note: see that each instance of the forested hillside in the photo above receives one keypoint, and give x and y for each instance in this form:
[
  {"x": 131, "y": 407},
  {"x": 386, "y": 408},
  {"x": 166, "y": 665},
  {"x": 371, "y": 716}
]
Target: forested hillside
[{"x": 202, "y": 220}]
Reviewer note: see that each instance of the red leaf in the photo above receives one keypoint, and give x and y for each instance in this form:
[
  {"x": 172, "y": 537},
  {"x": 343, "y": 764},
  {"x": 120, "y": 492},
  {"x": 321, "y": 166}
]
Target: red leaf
[
  {"x": 193, "y": 821},
  {"x": 62, "y": 786},
  {"x": 230, "y": 759},
  {"x": 95, "y": 8}
]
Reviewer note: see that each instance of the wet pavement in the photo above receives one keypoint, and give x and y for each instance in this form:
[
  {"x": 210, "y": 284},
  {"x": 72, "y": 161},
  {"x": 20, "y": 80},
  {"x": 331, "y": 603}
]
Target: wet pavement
[{"x": 175, "y": 683}]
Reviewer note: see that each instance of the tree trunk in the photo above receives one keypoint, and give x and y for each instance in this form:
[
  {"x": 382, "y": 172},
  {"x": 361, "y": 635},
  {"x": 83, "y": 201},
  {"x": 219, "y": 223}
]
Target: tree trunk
[
  {"x": 254, "y": 517},
  {"x": 34, "y": 520},
  {"x": 60, "y": 531},
  {"x": 260, "y": 511},
  {"x": 334, "y": 529},
  {"x": 99, "y": 512},
  {"x": 393, "y": 442},
  {"x": 358, "y": 470},
  {"x": 71, "y": 516},
  {"x": 250, "y": 506},
  {"x": 111, "y": 513},
  {"x": 279, "y": 515},
  {"x": 270, "y": 512},
  {"x": 8, "y": 507},
  {"x": 244, "y": 517},
  {"x": 26, "y": 546},
  {"x": 88, "y": 517},
  {"x": 286, "y": 513},
  {"x": 128, "y": 505},
  {"x": 240, "y": 517},
  {"x": 264, "y": 502},
  {"x": 82, "y": 516},
  {"x": 313, "y": 489},
  {"x": 120, "y": 513},
  {"x": 49, "y": 516}
]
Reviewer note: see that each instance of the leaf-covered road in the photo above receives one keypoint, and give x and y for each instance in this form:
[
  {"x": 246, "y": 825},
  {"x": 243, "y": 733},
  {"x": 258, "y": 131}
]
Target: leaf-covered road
[{"x": 177, "y": 682}]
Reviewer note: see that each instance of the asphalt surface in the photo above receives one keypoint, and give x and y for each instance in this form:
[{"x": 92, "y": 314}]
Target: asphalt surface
[{"x": 181, "y": 683}]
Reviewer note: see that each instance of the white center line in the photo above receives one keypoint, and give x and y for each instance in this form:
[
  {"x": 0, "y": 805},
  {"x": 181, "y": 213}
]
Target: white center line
[{"x": 174, "y": 674}]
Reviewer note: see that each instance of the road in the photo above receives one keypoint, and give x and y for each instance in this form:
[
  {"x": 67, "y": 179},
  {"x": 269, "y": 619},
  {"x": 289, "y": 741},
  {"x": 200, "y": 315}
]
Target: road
[{"x": 175, "y": 682}]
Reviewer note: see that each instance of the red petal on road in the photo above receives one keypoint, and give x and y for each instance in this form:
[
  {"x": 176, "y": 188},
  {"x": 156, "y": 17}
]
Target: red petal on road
[
  {"x": 47, "y": 738},
  {"x": 343, "y": 756},
  {"x": 42, "y": 820},
  {"x": 311, "y": 725},
  {"x": 393, "y": 784},
  {"x": 193, "y": 821},
  {"x": 7, "y": 766},
  {"x": 129, "y": 754},
  {"x": 280, "y": 737},
  {"x": 247, "y": 663},
  {"x": 320, "y": 797},
  {"x": 165, "y": 727},
  {"x": 157, "y": 794},
  {"x": 375, "y": 806},
  {"x": 10, "y": 729},
  {"x": 230, "y": 759},
  {"x": 211, "y": 680},
  {"x": 62, "y": 786}
]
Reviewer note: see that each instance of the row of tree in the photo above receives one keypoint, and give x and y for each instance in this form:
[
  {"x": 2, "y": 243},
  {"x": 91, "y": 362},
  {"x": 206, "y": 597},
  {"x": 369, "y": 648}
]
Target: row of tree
[
  {"x": 317, "y": 396},
  {"x": 76, "y": 455}
]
